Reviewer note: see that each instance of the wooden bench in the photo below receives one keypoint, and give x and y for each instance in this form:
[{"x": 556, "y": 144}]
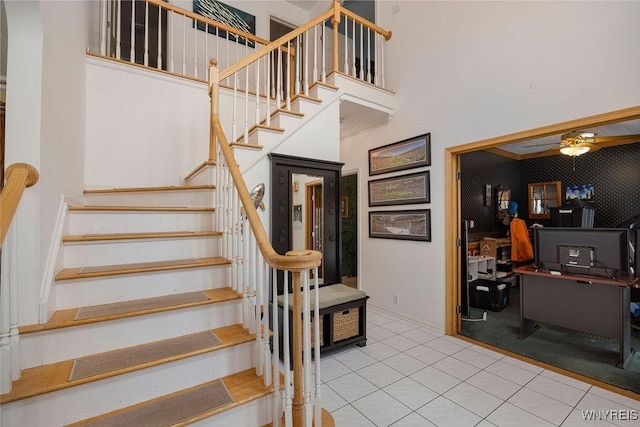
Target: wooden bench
[{"x": 343, "y": 314}]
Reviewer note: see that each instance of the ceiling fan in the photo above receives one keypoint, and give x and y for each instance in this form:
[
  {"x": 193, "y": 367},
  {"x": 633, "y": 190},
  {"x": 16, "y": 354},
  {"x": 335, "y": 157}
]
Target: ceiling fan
[{"x": 576, "y": 143}]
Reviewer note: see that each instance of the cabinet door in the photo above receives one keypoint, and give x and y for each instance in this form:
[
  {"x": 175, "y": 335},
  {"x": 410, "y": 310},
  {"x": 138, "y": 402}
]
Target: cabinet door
[{"x": 542, "y": 196}]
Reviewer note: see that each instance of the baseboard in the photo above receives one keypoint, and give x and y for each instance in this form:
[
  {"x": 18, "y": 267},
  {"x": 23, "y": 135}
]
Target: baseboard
[{"x": 47, "y": 301}]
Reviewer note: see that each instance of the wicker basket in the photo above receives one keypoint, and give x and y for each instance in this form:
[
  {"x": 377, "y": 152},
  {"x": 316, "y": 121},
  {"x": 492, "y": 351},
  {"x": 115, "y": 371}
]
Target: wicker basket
[{"x": 346, "y": 324}]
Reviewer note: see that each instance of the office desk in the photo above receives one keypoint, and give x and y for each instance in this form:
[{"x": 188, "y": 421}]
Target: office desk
[{"x": 588, "y": 304}]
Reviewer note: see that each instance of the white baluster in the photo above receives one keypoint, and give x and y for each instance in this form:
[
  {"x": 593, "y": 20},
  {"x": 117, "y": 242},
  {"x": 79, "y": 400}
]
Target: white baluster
[
  {"x": 250, "y": 283},
  {"x": 382, "y": 84},
  {"x": 118, "y": 30},
  {"x": 267, "y": 85},
  {"x": 369, "y": 78},
  {"x": 361, "y": 74},
  {"x": 5, "y": 313},
  {"x": 316, "y": 351},
  {"x": 298, "y": 77},
  {"x": 288, "y": 76},
  {"x": 286, "y": 349},
  {"x": 353, "y": 47},
  {"x": 132, "y": 50},
  {"x": 268, "y": 370},
  {"x": 257, "y": 69},
  {"x": 195, "y": 48},
  {"x": 146, "y": 33},
  {"x": 306, "y": 351},
  {"x": 236, "y": 231},
  {"x": 235, "y": 108},
  {"x": 258, "y": 310},
  {"x": 323, "y": 49},
  {"x": 305, "y": 61},
  {"x": 246, "y": 104},
  {"x": 245, "y": 278},
  {"x": 275, "y": 339},
  {"x": 184, "y": 45},
  {"x": 159, "y": 63},
  {"x": 279, "y": 79},
  {"x": 206, "y": 43},
  {"x": 14, "y": 334},
  {"x": 346, "y": 46},
  {"x": 104, "y": 18},
  {"x": 315, "y": 53},
  {"x": 171, "y": 41}
]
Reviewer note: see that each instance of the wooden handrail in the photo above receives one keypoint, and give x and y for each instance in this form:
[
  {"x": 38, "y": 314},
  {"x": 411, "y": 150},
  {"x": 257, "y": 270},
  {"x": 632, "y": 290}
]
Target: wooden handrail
[
  {"x": 366, "y": 23},
  {"x": 295, "y": 261},
  {"x": 211, "y": 22},
  {"x": 19, "y": 177},
  {"x": 268, "y": 48}
]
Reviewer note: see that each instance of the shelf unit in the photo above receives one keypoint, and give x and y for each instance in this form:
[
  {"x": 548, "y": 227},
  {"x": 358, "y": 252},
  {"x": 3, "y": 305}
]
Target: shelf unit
[{"x": 481, "y": 267}]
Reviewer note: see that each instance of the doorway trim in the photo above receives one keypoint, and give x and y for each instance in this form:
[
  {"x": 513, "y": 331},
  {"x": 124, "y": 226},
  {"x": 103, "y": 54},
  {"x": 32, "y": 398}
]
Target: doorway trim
[{"x": 452, "y": 194}]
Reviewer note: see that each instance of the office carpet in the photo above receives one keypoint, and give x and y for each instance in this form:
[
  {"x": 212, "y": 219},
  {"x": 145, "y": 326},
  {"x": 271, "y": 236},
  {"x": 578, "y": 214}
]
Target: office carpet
[{"x": 585, "y": 354}]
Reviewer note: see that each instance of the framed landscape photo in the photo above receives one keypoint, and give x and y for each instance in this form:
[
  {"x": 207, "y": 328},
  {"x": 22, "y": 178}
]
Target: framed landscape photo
[
  {"x": 400, "y": 190},
  {"x": 407, "y": 154},
  {"x": 402, "y": 225}
]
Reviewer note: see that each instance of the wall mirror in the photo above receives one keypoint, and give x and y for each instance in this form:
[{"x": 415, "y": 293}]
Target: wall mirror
[{"x": 305, "y": 211}]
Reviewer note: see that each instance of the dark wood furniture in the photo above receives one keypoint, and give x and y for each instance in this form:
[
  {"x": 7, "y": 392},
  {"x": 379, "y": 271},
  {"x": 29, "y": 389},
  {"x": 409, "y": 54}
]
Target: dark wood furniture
[{"x": 588, "y": 304}]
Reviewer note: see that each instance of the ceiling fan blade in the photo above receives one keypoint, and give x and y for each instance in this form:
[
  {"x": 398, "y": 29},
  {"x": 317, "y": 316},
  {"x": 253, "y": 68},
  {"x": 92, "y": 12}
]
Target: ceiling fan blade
[
  {"x": 541, "y": 145},
  {"x": 616, "y": 140}
]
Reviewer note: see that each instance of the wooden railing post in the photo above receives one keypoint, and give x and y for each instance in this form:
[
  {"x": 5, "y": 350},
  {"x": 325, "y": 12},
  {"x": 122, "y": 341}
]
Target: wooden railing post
[
  {"x": 335, "y": 20},
  {"x": 214, "y": 92},
  {"x": 19, "y": 177}
]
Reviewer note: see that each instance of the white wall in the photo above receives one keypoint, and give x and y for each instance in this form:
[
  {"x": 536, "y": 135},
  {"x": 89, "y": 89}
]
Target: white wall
[
  {"x": 143, "y": 128},
  {"x": 472, "y": 70},
  {"x": 45, "y": 124}
]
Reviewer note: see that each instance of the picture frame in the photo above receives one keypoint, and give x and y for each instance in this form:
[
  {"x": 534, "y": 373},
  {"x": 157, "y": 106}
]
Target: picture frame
[
  {"x": 400, "y": 190},
  {"x": 344, "y": 208},
  {"x": 487, "y": 194},
  {"x": 406, "y": 154},
  {"x": 228, "y": 15},
  {"x": 401, "y": 225}
]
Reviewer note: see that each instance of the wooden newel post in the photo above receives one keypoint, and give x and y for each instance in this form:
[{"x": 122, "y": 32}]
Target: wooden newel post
[
  {"x": 214, "y": 94},
  {"x": 298, "y": 400},
  {"x": 336, "y": 22}
]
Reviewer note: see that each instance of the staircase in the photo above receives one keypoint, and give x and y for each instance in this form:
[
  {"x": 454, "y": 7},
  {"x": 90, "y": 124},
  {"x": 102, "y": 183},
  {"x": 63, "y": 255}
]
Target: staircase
[
  {"x": 143, "y": 287},
  {"x": 151, "y": 325}
]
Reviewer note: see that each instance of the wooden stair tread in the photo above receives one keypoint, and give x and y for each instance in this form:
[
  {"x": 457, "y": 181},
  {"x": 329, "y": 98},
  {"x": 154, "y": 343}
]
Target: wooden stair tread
[
  {"x": 54, "y": 377},
  {"x": 325, "y": 85},
  {"x": 149, "y": 189},
  {"x": 241, "y": 144},
  {"x": 141, "y": 208},
  {"x": 109, "y": 270},
  {"x": 134, "y": 236},
  {"x": 243, "y": 387},
  {"x": 286, "y": 112},
  {"x": 66, "y": 318},
  {"x": 306, "y": 97}
]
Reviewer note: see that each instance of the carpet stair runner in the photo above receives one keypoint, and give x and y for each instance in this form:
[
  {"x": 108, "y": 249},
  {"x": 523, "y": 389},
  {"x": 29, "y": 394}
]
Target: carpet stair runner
[{"x": 187, "y": 406}]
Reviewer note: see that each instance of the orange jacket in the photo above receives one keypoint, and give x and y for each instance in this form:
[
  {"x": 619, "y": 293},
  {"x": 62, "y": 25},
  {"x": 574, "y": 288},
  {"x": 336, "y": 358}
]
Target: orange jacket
[{"x": 521, "y": 248}]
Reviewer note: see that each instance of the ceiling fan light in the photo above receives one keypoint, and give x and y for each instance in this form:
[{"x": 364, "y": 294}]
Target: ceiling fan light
[{"x": 574, "y": 150}]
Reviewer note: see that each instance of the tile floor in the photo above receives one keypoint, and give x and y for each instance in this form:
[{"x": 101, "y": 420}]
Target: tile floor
[{"x": 409, "y": 375}]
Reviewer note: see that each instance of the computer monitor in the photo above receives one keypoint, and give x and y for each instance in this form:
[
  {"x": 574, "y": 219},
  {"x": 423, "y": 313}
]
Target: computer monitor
[{"x": 600, "y": 252}]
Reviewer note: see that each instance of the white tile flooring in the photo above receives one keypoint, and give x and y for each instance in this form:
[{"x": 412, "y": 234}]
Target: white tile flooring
[{"x": 409, "y": 375}]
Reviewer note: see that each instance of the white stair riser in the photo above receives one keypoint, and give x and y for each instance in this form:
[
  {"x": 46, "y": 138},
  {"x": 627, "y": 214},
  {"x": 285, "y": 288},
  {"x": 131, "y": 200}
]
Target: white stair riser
[
  {"x": 46, "y": 347},
  {"x": 194, "y": 198},
  {"x": 206, "y": 176},
  {"x": 285, "y": 121},
  {"x": 126, "y": 287},
  {"x": 304, "y": 106},
  {"x": 321, "y": 92},
  {"x": 254, "y": 413},
  {"x": 132, "y": 251},
  {"x": 95, "y": 398},
  {"x": 87, "y": 222}
]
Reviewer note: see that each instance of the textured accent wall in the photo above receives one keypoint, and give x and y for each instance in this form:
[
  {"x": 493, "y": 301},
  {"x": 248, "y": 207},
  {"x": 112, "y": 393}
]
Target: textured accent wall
[
  {"x": 614, "y": 173},
  {"x": 480, "y": 168}
]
